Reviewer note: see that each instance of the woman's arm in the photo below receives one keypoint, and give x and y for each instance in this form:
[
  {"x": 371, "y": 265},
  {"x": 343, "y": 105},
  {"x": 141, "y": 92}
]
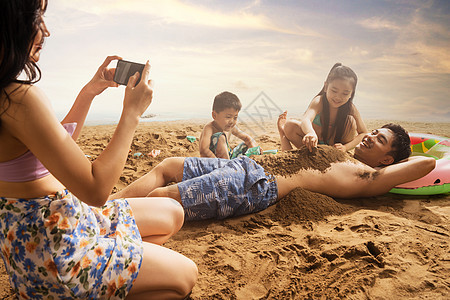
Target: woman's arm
[
  {"x": 102, "y": 79},
  {"x": 33, "y": 122}
]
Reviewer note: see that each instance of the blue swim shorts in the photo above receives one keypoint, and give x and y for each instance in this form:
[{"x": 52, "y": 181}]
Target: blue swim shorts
[{"x": 220, "y": 188}]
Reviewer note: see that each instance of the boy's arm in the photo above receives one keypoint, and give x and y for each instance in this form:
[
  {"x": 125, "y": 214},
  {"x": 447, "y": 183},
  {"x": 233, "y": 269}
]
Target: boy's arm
[
  {"x": 405, "y": 171},
  {"x": 248, "y": 140},
  {"x": 205, "y": 140}
]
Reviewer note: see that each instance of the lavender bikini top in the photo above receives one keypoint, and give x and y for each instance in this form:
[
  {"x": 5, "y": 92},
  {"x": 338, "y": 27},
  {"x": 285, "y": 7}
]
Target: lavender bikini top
[{"x": 27, "y": 167}]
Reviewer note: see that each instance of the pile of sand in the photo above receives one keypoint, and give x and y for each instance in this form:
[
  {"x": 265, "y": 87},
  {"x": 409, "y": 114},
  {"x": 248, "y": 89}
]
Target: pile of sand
[{"x": 290, "y": 162}]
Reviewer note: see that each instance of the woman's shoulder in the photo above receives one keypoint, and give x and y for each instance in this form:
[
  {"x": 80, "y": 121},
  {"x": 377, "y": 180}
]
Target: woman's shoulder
[
  {"x": 24, "y": 102},
  {"x": 25, "y": 94},
  {"x": 18, "y": 92}
]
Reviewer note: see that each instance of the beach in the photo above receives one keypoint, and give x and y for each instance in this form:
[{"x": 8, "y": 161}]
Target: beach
[{"x": 308, "y": 245}]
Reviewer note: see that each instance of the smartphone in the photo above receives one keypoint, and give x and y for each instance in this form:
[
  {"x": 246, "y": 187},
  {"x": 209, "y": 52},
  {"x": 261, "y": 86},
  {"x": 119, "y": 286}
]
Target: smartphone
[{"x": 126, "y": 69}]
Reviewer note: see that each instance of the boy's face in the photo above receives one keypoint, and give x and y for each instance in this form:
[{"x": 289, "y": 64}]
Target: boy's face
[{"x": 226, "y": 119}]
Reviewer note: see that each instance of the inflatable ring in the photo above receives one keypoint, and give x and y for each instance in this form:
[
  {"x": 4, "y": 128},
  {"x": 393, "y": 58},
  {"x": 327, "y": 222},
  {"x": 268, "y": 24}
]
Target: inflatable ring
[{"x": 438, "y": 180}]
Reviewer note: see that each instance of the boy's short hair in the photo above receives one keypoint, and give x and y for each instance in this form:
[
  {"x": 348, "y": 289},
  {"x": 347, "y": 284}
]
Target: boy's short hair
[
  {"x": 226, "y": 100},
  {"x": 401, "y": 145}
]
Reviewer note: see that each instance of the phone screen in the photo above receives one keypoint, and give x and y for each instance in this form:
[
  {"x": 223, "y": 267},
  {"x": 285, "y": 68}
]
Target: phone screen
[{"x": 126, "y": 69}]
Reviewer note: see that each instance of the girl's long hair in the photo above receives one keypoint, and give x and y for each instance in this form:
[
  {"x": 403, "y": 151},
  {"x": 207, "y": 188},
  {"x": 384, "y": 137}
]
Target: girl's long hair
[
  {"x": 338, "y": 71},
  {"x": 20, "y": 22}
]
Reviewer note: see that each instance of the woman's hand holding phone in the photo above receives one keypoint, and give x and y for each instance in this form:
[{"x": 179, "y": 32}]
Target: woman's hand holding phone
[
  {"x": 103, "y": 78},
  {"x": 138, "y": 97}
]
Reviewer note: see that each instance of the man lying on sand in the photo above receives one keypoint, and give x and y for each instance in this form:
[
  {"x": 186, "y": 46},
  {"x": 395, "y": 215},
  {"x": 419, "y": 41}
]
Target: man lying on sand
[{"x": 219, "y": 188}]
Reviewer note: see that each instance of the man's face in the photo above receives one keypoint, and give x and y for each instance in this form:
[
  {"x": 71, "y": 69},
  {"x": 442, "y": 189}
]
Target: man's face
[{"x": 374, "y": 148}]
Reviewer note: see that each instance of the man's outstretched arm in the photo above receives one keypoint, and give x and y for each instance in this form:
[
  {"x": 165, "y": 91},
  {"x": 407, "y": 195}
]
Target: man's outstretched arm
[{"x": 383, "y": 180}]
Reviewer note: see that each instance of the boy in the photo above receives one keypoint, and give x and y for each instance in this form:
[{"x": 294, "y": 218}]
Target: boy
[{"x": 214, "y": 137}]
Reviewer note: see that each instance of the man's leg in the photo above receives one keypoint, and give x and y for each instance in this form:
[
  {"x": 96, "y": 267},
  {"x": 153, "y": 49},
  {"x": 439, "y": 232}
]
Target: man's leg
[
  {"x": 170, "y": 191},
  {"x": 219, "y": 188},
  {"x": 169, "y": 170},
  {"x": 196, "y": 167}
]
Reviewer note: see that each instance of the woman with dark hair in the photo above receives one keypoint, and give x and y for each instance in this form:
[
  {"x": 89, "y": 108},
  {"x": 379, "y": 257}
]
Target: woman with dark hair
[
  {"x": 331, "y": 117},
  {"x": 61, "y": 237}
]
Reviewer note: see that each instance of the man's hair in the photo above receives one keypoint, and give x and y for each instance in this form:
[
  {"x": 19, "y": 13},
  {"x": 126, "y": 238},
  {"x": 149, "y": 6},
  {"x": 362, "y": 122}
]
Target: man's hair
[
  {"x": 226, "y": 100},
  {"x": 401, "y": 145}
]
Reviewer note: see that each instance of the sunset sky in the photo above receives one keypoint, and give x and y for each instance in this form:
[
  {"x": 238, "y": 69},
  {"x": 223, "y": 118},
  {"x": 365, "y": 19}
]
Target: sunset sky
[{"x": 400, "y": 51}]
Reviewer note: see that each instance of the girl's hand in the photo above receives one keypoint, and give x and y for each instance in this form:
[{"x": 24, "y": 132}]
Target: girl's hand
[
  {"x": 310, "y": 140},
  {"x": 103, "y": 78},
  {"x": 341, "y": 147},
  {"x": 138, "y": 98}
]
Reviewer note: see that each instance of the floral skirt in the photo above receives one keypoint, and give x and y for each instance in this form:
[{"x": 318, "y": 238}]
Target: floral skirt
[{"x": 57, "y": 247}]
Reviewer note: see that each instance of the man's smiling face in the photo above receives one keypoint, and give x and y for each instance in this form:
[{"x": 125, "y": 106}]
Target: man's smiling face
[{"x": 375, "y": 147}]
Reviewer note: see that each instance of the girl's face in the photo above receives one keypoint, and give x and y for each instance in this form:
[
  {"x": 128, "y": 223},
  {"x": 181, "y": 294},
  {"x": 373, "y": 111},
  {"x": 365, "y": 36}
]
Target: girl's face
[
  {"x": 39, "y": 41},
  {"x": 339, "y": 91}
]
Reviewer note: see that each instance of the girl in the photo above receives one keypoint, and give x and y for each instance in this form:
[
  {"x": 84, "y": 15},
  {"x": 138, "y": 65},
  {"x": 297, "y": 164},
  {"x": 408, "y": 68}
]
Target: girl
[
  {"x": 61, "y": 237},
  {"x": 331, "y": 117}
]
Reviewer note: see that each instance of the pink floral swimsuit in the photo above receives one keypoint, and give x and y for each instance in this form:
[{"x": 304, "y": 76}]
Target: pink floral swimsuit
[{"x": 57, "y": 247}]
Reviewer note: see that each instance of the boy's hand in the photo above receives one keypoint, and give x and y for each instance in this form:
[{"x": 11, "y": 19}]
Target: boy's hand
[{"x": 253, "y": 143}]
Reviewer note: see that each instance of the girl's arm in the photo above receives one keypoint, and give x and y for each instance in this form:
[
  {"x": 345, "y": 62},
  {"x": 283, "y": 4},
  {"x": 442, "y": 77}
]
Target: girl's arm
[
  {"x": 205, "y": 141},
  {"x": 102, "y": 79},
  {"x": 33, "y": 122},
  {"x": 361, "y": 130},
  {"x": 246, "y": 138},
  {"x": 310, "y": 140}
]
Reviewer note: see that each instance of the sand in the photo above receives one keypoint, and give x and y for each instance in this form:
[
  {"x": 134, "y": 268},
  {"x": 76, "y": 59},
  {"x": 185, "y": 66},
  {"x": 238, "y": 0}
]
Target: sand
[{"x": 307, "y": 245}]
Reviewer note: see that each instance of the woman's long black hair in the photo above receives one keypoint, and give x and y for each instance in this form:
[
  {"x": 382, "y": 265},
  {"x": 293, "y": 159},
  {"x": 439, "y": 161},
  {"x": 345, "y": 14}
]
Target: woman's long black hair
[
  {"x": 20, "y": 22},
  {"x": 338, "y": 71}
]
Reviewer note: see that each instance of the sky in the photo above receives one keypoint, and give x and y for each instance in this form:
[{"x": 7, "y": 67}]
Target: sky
[{"x": 280, "y": 51}]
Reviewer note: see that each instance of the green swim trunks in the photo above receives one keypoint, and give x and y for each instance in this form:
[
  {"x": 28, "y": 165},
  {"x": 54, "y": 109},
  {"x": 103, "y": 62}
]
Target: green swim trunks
[{"x": 237, "y": 151}]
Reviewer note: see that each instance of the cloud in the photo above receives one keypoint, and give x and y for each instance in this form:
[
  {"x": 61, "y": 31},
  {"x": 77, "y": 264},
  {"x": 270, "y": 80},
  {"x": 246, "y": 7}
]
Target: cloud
[
  {"x": 378, "y": 23},
  {"x": 178, "y": 12},
  {"x": 199, "y": 48},
  {"x": 418, "y": 40}
]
